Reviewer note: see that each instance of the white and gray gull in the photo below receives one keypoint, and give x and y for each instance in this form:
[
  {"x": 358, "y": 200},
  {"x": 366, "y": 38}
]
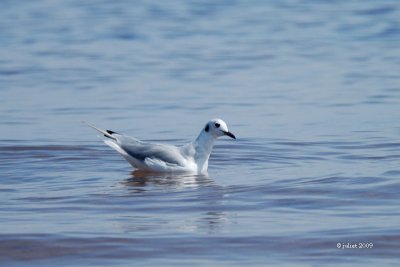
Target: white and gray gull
[{"x": 155, "y": 157}]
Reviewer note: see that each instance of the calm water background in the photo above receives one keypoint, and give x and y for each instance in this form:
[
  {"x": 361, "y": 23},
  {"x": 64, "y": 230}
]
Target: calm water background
[{"x": 311, "y": 89}]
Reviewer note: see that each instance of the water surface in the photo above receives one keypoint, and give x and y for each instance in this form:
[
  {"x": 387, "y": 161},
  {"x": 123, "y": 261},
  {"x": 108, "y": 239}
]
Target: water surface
[{"x": 310, "y": 88}]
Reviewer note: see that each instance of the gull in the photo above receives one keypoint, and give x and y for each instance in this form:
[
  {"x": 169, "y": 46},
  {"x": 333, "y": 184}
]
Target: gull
[{"x": 154, "y": 157}]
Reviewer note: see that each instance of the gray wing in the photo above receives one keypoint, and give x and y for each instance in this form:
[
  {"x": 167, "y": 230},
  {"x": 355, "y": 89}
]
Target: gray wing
[{"x": 142, "y": 150}]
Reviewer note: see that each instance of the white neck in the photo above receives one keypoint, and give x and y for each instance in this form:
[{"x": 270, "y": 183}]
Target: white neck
[{"x": 203, "y": 146}]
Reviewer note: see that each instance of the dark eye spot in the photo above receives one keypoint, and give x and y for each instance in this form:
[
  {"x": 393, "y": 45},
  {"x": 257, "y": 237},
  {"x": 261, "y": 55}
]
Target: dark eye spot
[
  {"x": 217, "y": 124},
  {"x": 207, "y": 128}
]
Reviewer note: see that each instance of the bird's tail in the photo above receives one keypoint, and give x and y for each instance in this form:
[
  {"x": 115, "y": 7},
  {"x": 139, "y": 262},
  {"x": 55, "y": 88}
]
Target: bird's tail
[{"x": 106, "y": 133}]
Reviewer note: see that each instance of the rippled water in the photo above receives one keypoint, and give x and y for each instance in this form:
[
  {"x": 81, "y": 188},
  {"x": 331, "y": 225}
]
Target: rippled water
[{"x": 310, "y": 88}]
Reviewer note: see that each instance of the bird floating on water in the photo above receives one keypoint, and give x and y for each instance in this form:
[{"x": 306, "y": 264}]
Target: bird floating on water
[{"x": 155, "y": 157}]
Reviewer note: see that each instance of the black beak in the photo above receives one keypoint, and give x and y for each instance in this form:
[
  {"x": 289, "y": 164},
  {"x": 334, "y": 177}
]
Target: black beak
[{"x": 231, "y": 135}]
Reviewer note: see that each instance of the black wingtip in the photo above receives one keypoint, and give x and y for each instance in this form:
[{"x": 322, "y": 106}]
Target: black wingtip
[{"x": 110, "y": 133}]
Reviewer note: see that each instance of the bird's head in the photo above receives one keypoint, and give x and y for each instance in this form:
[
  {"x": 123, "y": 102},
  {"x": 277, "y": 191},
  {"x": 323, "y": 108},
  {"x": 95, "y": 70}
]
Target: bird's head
[{"x": 217, "y": 128}]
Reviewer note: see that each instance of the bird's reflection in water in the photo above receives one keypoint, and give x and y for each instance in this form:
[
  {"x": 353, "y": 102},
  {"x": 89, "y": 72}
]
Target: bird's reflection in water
[
  {"x": 205, "y": 213},
  {"x": 140, "y": 179}
]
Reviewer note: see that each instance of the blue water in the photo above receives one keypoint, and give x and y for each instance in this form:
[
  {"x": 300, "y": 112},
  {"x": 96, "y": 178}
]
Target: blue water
[{"x": 310, "y": 88}]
